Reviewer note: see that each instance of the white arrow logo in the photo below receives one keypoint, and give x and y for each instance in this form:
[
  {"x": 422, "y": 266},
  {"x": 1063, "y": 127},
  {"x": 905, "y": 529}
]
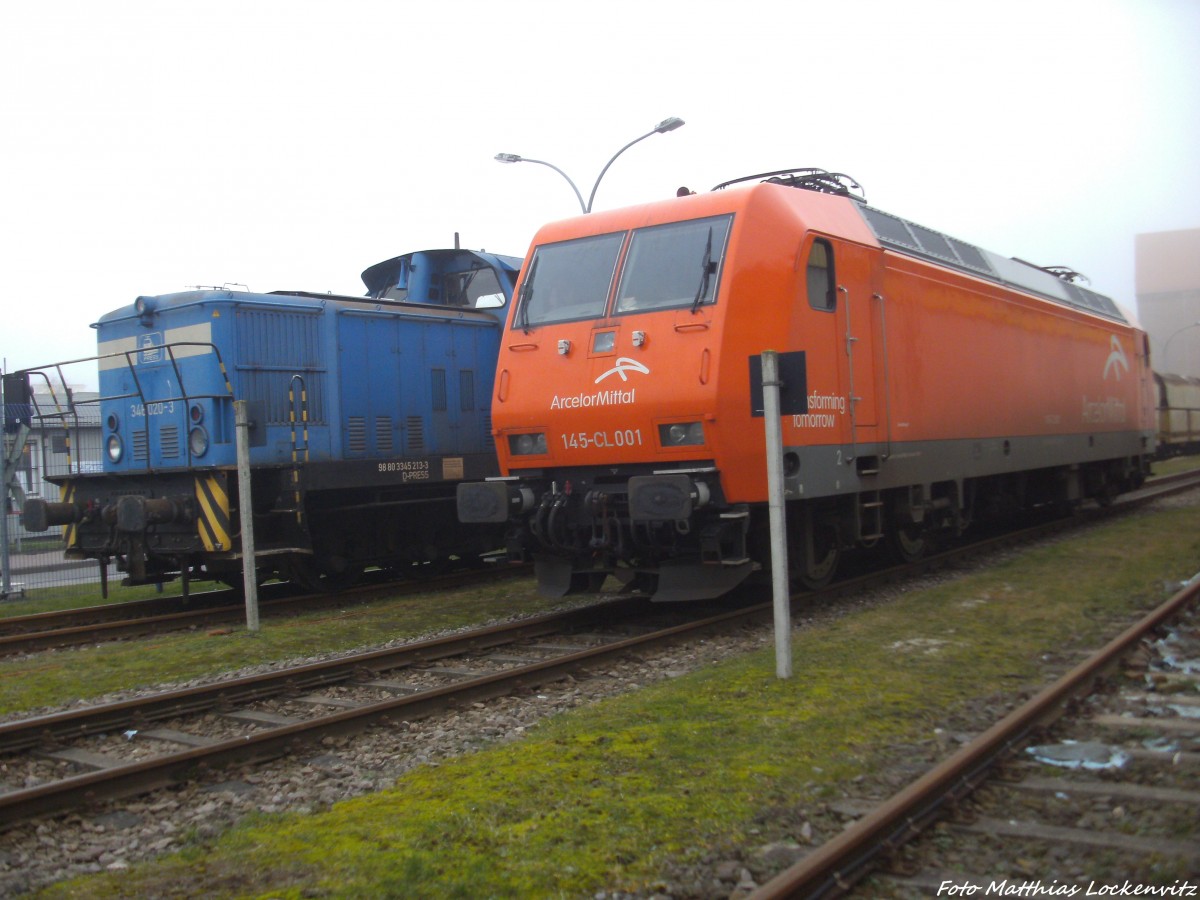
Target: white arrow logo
[
  {"x": 624, "y": 364},
  {"x": 1116, "y": 359}
]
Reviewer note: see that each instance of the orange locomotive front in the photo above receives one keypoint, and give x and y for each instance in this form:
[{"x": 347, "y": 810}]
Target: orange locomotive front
[{"x": 927, "y": 383}]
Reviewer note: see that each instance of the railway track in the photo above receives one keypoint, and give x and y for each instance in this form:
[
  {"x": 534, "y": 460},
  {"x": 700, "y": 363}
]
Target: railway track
[
  {"x": 138, "y": 745},
  {"x": 97, "y": 624},
  {"x": 1106, "y": 796}
]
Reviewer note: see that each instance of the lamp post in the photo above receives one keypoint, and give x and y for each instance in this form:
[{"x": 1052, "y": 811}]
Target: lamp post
[
  {"x": 661, "y": 128},
  {"x": 1167, "y": 345},
  {"x": 514, "y": 158}
]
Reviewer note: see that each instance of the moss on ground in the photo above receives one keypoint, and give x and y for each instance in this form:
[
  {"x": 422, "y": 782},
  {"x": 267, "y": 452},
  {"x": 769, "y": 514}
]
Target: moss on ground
[{"x": 603, "y": 797}]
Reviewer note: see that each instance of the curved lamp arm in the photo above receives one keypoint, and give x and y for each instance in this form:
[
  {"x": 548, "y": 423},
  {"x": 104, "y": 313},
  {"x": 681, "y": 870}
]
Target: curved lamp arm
[
  {"x": 516, "y": 158},
  {"x": 661, "y": 128}
]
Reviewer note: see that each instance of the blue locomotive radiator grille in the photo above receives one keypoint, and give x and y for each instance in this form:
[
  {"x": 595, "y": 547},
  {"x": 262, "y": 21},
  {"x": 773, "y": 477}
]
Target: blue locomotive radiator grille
[
  {"x": 170, "y": 442},
  {"x": 415, "y": 434},
  {"x": 383, "y": 434},
  {"x": 272, "y": 348},
  {"x": 489, "y": 442},
  {"x": 356, "y": 434},
  {"x": 141, "y": 447}
]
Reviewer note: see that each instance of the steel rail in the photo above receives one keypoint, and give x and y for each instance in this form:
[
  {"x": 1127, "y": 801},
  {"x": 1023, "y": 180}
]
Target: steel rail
[
  {"x": 88, "y": 615},
  {"x": 169, "y": 768},
  {"x": 834, "y": 867},
  {"x": 61, "y": 628},
  {"x": 138, "y": 777},
  {"x": 93, "y": 719},
  {"x": 89, "y": 720},
  {"x": 67, "y": 631}
]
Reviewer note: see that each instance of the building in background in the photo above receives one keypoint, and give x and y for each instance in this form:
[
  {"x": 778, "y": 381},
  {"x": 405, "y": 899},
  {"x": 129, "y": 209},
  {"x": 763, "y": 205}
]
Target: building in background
[
  {"x": 1168, "y": 297},
  {"x": 61, "y": 438}
]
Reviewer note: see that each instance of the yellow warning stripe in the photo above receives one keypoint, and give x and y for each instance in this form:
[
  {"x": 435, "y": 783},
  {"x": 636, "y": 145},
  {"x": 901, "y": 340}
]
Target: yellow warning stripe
[
  {"x": 213, "y": 523},
  {"x": 66, "y": 494}
]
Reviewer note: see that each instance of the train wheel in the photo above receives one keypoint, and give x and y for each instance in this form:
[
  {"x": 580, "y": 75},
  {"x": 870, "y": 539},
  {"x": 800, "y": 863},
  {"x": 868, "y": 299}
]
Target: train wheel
[
  {"x": 818, "y": 557},
  {"x": 586, "y": 582},
  {"x": 301, "y": 571},
  {"x": 814, "y": 546},
  {"x": 817, "y": 574},
  {"x": 908, "y": 543},
  {"x": 343, "y": 578}
]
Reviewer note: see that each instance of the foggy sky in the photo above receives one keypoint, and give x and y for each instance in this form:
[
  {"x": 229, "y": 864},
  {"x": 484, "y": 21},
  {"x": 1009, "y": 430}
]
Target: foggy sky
[{"x": 149, "y": 147}]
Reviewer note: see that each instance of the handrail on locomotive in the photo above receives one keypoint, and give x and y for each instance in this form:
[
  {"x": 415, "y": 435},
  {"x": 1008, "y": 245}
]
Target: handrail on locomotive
[{"x": 71, "y": 413}]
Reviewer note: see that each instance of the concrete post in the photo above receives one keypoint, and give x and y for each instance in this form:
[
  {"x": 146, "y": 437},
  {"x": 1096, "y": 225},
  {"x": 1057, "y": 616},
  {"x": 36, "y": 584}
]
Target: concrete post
[
  {"x": 775, "y": 509},
  {"x": 246, "y": 509},
  {"x": 5, "y": 574}
]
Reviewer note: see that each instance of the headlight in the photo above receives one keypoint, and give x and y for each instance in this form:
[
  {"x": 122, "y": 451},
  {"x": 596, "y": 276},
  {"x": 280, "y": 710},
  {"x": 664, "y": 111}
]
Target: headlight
[
  {"x": 681, "y": 434},
  {"x": 114, "y": 448},
  {"x": 113, "y": 423},
  {"x": 527, "y": 444},
  {"x": 144, "y": 308},
  {"x": 196, "y": 411},
  {"x": 198, "y": 441}
]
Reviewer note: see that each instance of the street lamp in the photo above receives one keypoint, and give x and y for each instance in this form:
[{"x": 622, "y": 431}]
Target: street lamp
[
  {"x": 661, "y": 128},
  {"x": 1175, "y": 334},
  {"x": 515, "y": 158}
]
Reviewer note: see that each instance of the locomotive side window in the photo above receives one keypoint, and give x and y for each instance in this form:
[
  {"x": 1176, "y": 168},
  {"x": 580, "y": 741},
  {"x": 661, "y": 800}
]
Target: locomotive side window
[
  {"x": 673, "y": 265},
  {"x": 476, "y": 288},
  {"x": 568, "y": 280},
  {"x": 822, "y": 283}
]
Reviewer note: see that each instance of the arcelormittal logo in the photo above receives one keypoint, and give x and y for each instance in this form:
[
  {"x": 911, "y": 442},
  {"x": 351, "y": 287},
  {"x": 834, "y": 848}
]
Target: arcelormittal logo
[
  {"x": 1116, "y": 359},
  {"x": 625, "y": 364}
]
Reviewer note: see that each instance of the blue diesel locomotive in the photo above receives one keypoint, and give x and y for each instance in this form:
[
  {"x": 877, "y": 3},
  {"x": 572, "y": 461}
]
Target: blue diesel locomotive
[{"x": 365, "y": 413}]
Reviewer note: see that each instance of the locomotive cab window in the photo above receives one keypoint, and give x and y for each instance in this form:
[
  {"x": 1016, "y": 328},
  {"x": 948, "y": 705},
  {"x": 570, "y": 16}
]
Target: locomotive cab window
[
  {"x": 821, "y": 280},
  {"x": 568, "y": 281},
  {"x": 673, "y": 265},
  {"x": 476, "y": 288}
]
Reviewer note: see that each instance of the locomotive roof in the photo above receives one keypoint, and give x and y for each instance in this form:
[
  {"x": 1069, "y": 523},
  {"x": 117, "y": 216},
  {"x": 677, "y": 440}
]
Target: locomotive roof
[
  {"x": 912, "y": 239},
  {"x": 376, "y": 277},
  {"x": 903, "y": 236}
]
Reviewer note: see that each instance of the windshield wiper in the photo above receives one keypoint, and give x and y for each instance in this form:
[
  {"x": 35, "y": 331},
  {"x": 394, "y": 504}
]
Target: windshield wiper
[
  {"x": 526, "y": 297},
  {"x": 705, "y": 271}
]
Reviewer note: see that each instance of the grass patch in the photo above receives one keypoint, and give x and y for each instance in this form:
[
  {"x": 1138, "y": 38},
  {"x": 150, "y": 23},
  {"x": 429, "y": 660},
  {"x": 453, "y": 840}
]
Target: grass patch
[
  {"x": 51, "y": 679},
  {"x": 602, "y": 798},
  {"x": 35, "y": 545},
  {"x": 1175, "y": 464}
]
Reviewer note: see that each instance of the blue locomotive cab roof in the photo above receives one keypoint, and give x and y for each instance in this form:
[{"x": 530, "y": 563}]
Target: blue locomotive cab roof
[
  {"x": 466, "y": 279},
  {"x": 463, "y": 278}
]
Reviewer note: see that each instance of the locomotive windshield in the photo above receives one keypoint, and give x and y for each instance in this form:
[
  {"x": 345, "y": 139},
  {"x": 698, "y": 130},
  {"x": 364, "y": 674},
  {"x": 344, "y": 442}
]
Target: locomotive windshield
[
  {"x": 667, "y": 266},
  {"x": 569, "y": 280},
  {"x": 673, "y": 265}
]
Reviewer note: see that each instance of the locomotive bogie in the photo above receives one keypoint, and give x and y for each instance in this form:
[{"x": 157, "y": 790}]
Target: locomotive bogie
[{"x": 923, "y": 387}]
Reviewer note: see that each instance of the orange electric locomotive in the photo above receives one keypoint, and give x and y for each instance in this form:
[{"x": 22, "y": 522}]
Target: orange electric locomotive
[{"x": 926, "y": 384}]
